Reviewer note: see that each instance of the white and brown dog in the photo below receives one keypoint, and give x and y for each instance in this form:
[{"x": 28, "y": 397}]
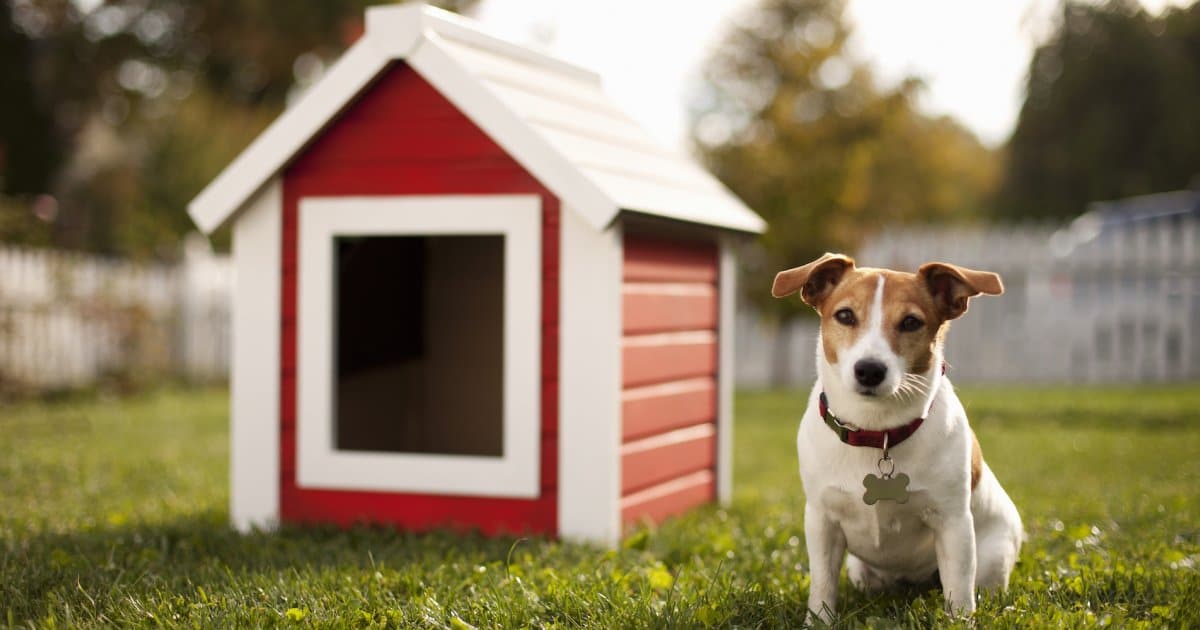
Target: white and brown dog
[{"x": 892, "y": 471}]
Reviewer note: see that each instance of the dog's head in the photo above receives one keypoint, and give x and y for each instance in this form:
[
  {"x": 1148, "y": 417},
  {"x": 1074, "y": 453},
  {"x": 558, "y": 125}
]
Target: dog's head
[{"x": 877, "y": 325}]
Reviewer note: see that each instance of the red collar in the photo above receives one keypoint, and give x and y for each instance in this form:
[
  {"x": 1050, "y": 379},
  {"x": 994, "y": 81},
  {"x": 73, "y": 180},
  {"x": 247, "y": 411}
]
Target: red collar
[{"x": 863, "y": 437}]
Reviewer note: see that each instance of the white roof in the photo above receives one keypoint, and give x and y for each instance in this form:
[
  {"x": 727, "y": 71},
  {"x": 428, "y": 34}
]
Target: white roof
[{"x": 552, "y": 117}]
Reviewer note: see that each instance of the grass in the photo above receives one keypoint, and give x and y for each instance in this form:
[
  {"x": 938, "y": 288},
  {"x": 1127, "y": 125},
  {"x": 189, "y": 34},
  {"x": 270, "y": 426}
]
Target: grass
[{"x": 114, "y": 512}]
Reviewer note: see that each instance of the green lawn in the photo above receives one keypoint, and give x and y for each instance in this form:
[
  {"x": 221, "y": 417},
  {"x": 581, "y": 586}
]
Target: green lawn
[{"x": 114, "y": 512}]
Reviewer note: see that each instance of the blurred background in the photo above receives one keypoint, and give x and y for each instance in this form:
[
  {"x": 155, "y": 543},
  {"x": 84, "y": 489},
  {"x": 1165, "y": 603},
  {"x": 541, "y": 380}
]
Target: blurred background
[{"x": 1057, "y": 143}]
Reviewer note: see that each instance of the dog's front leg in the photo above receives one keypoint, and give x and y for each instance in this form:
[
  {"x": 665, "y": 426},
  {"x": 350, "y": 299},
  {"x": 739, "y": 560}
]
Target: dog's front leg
[
  {"x": 956, "y": 562},
  {"x": 826, "y": 550}
]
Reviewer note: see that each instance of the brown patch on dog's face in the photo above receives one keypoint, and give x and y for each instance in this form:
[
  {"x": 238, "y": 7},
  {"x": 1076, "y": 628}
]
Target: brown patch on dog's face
[
  {"x": 855, "y": 294},
  {"x": 912, "y": 322}
]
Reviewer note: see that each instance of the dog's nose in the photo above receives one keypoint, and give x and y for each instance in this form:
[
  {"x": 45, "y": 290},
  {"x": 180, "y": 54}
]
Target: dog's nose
[{"x": 869, "y": 372}]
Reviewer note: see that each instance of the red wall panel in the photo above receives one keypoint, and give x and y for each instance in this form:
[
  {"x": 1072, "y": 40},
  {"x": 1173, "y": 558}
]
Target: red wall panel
[
  {"x": 657, "y": 307},
  {"x": 655, "y": 359},
  {"x": 669, "y": 372},
  {"x": 668, "y": 499},
  {"x": 401, "y": 137},
  {"x": 663, "y": 457},
  {"x": 650, "y": 259},
  {"x": 660, "y": 408}
]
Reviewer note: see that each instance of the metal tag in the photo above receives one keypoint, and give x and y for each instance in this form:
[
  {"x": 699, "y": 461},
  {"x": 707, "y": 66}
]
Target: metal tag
[{"x": 885, "y": 488}]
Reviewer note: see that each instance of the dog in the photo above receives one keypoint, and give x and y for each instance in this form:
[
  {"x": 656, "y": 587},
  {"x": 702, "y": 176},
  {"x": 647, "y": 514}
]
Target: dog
[{"x": 892, "y": 472}]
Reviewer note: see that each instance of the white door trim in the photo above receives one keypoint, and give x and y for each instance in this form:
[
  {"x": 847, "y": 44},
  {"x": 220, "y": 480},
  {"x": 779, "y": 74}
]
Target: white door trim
[{"x": 319, "y": 464}]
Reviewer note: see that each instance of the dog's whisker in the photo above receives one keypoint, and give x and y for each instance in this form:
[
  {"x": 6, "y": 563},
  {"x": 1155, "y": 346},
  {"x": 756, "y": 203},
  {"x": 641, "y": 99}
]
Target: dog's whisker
[
  {"x": 908, "y": 390},
  {"x": 912, "y": 389},
  {"x": 916, "y": 379}
]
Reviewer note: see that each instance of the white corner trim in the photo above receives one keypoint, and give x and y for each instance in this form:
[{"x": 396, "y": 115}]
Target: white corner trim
[
  {"x": 518, "y": 218},
  {"x": 517, "y": 137},
  {"x": 727, "y": 296},
  {"x": 589, "y": 367},
  {"x": 254, "y": 382},
  {"x": 227, "y": 194}
]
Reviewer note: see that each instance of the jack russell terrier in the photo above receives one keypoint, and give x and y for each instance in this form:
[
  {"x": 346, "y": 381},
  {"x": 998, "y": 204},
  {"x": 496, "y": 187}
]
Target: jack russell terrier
[{"x": 891, "y": 470}]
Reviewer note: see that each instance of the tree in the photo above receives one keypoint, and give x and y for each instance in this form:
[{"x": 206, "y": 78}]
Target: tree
[
  {"x": 1110, "y": 111},
  {"x": 28, "y": 147},
  {"x": 145, "y": 100},
  {"x": 799, "y": 131}
]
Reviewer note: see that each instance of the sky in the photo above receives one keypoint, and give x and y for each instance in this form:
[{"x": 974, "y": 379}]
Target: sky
[{"x": 972, "y": 54}]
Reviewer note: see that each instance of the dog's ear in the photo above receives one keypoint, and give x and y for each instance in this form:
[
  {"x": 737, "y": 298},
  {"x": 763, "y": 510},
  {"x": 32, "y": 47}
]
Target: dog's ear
[
  {"x": 814, "y": 280},
  {"x": 951, "y": 286}
]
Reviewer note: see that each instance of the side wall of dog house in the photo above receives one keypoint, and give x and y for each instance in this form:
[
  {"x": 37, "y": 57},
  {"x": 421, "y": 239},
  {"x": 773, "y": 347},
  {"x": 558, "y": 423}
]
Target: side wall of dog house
[
  {"x": 669, "y": 366},
  {"x": 402, "y": 137}
]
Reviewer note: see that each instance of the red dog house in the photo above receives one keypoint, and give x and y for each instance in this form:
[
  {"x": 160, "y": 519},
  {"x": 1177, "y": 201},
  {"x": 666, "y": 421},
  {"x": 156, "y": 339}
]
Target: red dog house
[{"x": 472, "y": 293}]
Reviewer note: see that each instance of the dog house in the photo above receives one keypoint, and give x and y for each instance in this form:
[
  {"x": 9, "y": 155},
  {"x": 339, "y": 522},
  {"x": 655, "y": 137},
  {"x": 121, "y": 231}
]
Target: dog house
[{"x": 472, "y": 293}]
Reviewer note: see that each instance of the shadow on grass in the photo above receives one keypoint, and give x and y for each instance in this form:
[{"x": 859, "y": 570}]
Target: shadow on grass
[
  {"x": 194, "y": 559},
  {"x": 202, "y": 549}
]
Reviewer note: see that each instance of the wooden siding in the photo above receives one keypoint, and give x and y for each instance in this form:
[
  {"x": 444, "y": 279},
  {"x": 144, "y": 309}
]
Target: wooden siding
[
  {"x": 669, "y": 372},
  {"x": 670, "y": 306},
  {"x": 669, "y": 499},
  {"x": 663, "y": 407},
  {"x": 669, "y": 357},
  {"x": 665, "y": 456},
  {"x": 402, "y": 137}
]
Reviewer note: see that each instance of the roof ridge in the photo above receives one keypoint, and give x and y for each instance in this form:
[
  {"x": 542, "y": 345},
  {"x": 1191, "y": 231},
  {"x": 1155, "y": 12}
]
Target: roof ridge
[{"x": 454, "y": 27}]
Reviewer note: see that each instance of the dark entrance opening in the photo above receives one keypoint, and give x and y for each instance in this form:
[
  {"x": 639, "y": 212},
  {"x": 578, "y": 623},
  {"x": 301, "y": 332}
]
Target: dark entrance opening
[{"x": 419, "y": 331}]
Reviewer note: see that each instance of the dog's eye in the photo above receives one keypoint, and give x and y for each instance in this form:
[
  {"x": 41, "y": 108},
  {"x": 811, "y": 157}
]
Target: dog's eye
[
  {"x": 845, "y": 317},
  {"x": 910, "y": 323}
]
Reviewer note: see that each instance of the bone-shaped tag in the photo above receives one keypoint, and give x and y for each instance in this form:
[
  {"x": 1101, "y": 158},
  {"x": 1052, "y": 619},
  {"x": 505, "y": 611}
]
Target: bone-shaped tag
[{"x": 887, "y": 488}]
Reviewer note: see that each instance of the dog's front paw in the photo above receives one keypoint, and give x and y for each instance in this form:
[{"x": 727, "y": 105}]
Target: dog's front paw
[
  {"x": 820, "y": 614},
  {"x": 960, "y": 606}
]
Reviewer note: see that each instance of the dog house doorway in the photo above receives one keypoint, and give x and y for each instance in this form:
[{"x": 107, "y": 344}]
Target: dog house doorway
[
  {"x": 419, "y": 328},
  {"x": 419, "y": 344}
]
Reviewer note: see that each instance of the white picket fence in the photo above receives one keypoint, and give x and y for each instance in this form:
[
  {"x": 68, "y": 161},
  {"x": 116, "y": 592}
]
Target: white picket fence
[
  {"x": 1119, "y": 306},
  {"x": 1081, "y": 305},
  {"x": 70, "y": 320}
]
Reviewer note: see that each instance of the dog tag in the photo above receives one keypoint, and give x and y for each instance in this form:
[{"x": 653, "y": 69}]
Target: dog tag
[{"x": 885, "y": 488}]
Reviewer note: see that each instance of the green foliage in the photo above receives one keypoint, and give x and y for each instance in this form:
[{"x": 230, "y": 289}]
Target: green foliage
[
  {"x": 200, "y": 138},
  {"x": 1110, "y": 111},
  {"x": 800, "y": 132},
  {"x": 124, "y": 112},
  {"x": 18, "y": 224},
  {"x": 112, "y": 512}
]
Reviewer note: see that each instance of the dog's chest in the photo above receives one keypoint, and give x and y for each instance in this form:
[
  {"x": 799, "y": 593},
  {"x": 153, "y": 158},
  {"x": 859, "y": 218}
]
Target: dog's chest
[{"x": 887, "y": 534}]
